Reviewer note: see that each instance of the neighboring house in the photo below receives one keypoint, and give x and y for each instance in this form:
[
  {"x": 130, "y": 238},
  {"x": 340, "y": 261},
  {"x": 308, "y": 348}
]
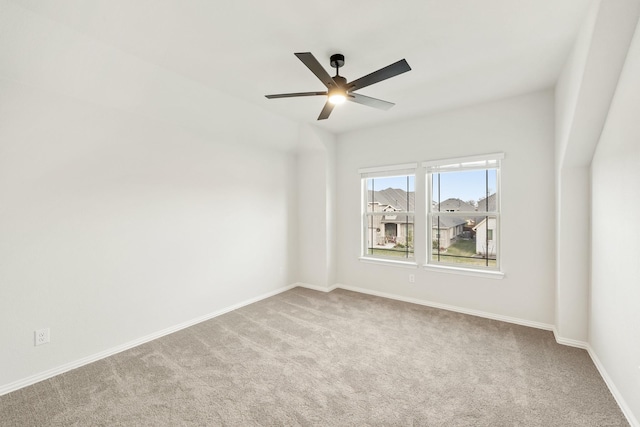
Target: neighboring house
[
  {"x": 449, "y": 228},
  {"x": 454, "y": 205},
  {"x": 487, "y": 204},
  {"x": 457, "y": 205},
  {"x": 445, "y": 230},
  {"x": 395, "y": 227},
  {"x": 486, "y": 230},
  {"x": 486, "y": 243},
  {"x": 398, "y": 228}
]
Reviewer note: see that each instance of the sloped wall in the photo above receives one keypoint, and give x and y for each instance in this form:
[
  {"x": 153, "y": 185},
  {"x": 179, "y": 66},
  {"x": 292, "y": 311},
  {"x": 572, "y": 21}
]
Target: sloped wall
[
  {"x": 583, "y": 96},
  {"x": 615, "y": 291}
]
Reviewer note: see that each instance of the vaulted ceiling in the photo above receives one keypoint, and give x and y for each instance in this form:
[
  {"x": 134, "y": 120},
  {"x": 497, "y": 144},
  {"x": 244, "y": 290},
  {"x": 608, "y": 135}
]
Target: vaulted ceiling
[{"x": 461, "y": 52}]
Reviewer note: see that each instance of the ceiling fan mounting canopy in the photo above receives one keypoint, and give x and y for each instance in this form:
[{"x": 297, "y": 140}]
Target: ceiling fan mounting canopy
[
  {"x": 337, "y": 60},
  {"x": 338, "y": 90}
]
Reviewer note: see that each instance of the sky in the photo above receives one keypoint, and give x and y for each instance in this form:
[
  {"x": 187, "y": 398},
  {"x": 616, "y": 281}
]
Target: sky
[
  {"x": 467, "y": 185},
  {"x": 464, "y": 185}
]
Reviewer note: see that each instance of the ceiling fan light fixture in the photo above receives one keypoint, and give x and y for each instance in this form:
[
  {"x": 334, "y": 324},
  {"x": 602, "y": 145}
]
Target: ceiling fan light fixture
[
  {"x": 337, "y": 98},
  {"x": 337, "y": 95}
]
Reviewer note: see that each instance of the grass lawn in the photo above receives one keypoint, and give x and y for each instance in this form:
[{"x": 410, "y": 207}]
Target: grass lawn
[
  {"x": 463, "y": 248},
  {"x": 452, "y": 255}
]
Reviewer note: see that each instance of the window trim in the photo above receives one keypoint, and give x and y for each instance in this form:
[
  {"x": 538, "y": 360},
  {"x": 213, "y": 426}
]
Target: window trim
[
  {"x": 389, "y": 261},
  {"x": 382, "y": 171},
  {"x": 465, "y": 271},
  {"x": 432, "y": 164}
]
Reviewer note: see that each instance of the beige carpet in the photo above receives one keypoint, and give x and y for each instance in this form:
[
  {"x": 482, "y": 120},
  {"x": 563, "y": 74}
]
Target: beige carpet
[{"x": 310, "y": 358}]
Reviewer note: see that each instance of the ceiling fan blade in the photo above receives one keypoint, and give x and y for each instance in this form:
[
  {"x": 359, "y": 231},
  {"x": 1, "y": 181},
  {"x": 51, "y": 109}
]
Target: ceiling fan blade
[
  {"x": 291, "y": 95},
  {"x": 370, "y": 102},
  {"x": 382, "y": 74},
  {"x": 312, "y": 63},
  {"x": 328, "y": 108}
]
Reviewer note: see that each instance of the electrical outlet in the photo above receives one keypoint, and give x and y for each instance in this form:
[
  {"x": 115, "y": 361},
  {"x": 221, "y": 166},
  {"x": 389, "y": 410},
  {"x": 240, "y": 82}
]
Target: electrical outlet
[
  {"x": 42, "y": 336},
  {"x": 412, "y": 278}
]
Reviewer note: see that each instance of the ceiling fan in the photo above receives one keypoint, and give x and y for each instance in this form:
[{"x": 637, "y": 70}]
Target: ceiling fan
[{"x": 338, "y": 90}]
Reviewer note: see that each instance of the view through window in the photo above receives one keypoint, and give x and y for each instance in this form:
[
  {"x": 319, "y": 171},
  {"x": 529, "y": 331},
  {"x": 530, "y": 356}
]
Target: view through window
[
  {"x": 464, "y": 214},
  {"x": 460, "y": 217},
  {"x": 389, "y": 216}
]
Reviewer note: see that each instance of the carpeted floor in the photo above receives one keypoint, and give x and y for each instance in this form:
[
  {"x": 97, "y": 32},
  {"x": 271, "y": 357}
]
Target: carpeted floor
[{"x": 309, "y": 358}]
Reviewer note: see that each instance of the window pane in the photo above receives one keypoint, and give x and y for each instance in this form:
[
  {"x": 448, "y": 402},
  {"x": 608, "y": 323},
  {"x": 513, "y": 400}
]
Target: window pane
[
  {"x": 390, "y": 235},
  {"x": 389, "y": 227},
  {"x": 463, "y": 213},
  {"x": 464, "y": 191},
  {"x": 464, "y": 240}
]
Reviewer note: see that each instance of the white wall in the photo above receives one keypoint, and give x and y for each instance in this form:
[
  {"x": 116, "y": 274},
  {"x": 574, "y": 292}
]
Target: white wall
[
  {"x": 567, "y": 90},
  {"x": 132, "y": 199},
  {"x": 316, "y": 207},
  {"x": 583, "y": 96},
  {"x": 573, "y": 243},
  {"x": 572, "y": 240},
  {"x": 597, "y": 270},
  {"x": 115, "y": 227},
  {"x": 522, "y": 128},
  {"x": 615, "y": 300}
]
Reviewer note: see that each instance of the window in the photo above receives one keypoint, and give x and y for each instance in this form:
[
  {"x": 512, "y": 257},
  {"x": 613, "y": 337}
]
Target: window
[
  {"x": 463, "y": 216},
  {"x": 388, "y": 212}
]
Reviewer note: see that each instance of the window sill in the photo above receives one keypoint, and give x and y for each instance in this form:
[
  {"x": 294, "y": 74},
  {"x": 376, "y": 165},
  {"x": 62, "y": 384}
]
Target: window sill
[
  {"x": 492, "y": 274},
  {"x": 392, "y": 262}
]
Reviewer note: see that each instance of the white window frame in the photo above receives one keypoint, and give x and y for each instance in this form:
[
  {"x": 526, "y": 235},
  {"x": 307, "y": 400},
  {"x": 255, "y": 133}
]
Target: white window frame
[
  {"x": 481, "y": 162},
  {"x": 382, "y": 172}
]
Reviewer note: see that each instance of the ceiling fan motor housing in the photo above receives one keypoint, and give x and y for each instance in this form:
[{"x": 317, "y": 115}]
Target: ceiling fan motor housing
[{"x": 340, "y": 81}]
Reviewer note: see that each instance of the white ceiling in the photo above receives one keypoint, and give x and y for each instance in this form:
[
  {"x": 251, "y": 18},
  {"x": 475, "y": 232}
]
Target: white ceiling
[{"x": 461, "y": 52}]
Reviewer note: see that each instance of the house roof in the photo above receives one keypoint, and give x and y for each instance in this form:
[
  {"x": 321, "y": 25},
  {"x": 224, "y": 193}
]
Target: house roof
[
  {"x": 448, "y": 222},
  {"x": 397, "y": 218},
  {"x": 487, "y": 204},
  {"x": 394, "y": 197},
  {"x": 454, "y": 205},
  {"x": 482, "y": 207}
]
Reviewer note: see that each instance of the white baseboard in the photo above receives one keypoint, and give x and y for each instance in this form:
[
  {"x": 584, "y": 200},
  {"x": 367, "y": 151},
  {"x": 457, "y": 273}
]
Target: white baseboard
[
  {"x": 487, "y": 315},
  {"x": 569, "y": 341},
  {"x": 538, "y": 325},
  {"x": 8, "y": 388},
  {"x": 316, "y": 287},
  {"x": 624, "y": 407}
]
